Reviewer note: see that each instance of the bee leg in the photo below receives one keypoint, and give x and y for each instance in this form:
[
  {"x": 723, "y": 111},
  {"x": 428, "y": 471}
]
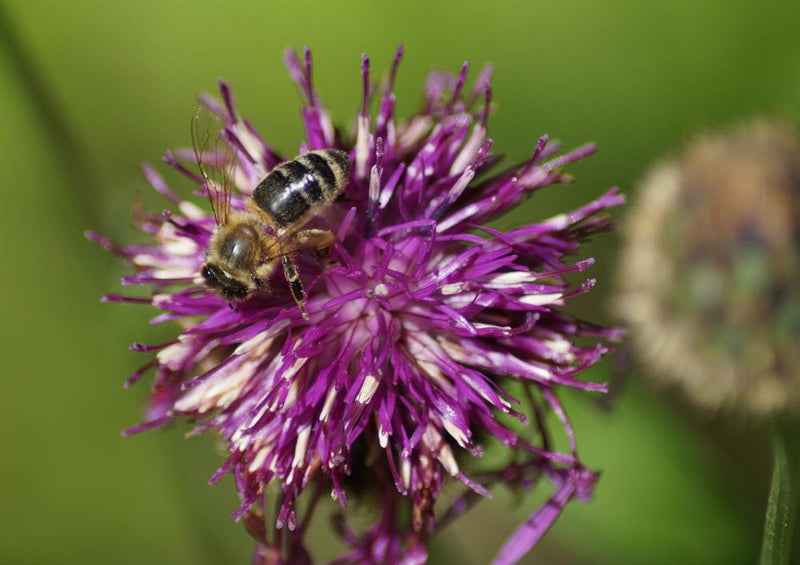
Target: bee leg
[
  {"x": 295, "y": 284},
  {"x": 314, "y": 239}
]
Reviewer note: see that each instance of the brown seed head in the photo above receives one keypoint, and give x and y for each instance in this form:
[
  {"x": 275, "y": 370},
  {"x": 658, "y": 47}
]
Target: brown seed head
[{"x": 710, "y": 270}]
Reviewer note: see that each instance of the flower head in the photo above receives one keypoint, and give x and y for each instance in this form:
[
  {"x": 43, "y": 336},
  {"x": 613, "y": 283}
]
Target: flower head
[
  {"x": 419, "y": 315},
  {"x": 711, "y": 269}
]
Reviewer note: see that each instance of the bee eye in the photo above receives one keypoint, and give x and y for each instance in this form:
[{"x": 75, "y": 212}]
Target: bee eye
[
  {"x": 238, "y": 248},
  {"x": 210, "y": 275}
]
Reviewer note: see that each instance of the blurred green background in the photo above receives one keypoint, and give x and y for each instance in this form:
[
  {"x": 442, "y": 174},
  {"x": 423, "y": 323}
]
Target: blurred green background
[{"x": 90, "y": 89}]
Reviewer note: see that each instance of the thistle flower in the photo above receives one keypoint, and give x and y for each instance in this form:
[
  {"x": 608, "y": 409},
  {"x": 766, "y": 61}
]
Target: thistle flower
[
  {"x": 419, "y": 316},
  {"x": 711, "y": 269}
]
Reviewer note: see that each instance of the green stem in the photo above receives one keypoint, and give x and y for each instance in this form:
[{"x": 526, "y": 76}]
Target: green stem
[{"x": 776, "y": 545}]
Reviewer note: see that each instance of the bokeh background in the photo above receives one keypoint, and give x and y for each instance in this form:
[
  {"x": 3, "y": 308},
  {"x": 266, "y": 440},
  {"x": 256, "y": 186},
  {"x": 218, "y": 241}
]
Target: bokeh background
[{"x": 90, "y": 89}]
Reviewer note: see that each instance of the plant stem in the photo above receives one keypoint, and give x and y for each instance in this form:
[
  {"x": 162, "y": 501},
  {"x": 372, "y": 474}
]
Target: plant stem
[{"x": 782, "y": 504}]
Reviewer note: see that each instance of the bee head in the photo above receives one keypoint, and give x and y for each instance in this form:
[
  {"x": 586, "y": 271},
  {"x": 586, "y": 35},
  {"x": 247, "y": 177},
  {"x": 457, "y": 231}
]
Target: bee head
[
  {"x": 232, "y": 260},
  {"x": 224, "y": 285}
]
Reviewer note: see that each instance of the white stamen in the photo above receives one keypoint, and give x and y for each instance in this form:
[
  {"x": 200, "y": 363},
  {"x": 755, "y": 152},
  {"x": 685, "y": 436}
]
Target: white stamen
[
  {"x": 512, "y": 278},
  {"x": 482, "y": 326},
  {"x": 533, "y": 177},
  {"x": 458, "y": 301},
  {"x": 292, "y": 371},
  {"x": 362, "y": 146},
  {"x": 456, "y": 432},
  {"x": 451, "y": 348},
  {"x": 559, "y": 222},
  {"x": 380, "y": 290},
  {"x": 327, "y": 126},
  {"x": 455, "y": 192},
  {"x": 431, "y": 437},
  {"x": 413, "y": 133},
  {"x": 326, "y": 408},
  {"x": 367, "y": 389},
  {"x": 258, "y": 416},
  {"x": 374, "y": 184},
  {"x": 452, "y": 288},
  {"x": 145, "y": 260},
  {"x": 542, "y": 299},
  {"x": 446, "y": 458},
  {"x": 219, "y": 391},
  {"x": 250, "y": 143},
  {"x": 258, "y": 460},
  {"x": 301, "y": 446},
  {"x": 558, "y": 345},
  {"x": 231, "y": 394},
  {"x": 175, "y": 273},
  {"x": 250, "y": 344},
  {"x": 191, "y": 211},
  {"x": 182, "y": 246},
  {"x": 432, "y": 369},
  {"x": 460, "y": 216},
  {"x": 171, "y": 353},
  {"x": 291, "y": 396},
  {"x": 470, "y": 150}
]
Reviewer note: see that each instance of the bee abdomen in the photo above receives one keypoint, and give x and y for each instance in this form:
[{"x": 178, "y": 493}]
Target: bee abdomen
[
  {"x": 330, "y": 167},
  {"x": 291, "y": 190}
]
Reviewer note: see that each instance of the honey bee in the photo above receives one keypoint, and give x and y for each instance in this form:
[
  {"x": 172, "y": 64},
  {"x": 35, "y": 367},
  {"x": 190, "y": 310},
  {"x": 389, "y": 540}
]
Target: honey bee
[{"x": 247, "y": 244}]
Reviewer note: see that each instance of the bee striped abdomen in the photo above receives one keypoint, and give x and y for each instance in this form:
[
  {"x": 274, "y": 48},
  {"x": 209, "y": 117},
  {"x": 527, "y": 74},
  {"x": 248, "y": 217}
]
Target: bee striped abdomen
[{"x": 289, "y": 193}]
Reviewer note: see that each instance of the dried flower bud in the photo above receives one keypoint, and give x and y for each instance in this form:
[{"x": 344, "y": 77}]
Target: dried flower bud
[{"x": 710, "y": 274}]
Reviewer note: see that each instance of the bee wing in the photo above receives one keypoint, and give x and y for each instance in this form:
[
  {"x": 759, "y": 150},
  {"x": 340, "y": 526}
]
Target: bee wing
[{"x": 215, "y": 160}]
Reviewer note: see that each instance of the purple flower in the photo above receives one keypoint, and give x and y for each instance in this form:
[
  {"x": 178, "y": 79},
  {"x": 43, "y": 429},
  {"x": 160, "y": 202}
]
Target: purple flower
[{"x": 419, "y": 317}]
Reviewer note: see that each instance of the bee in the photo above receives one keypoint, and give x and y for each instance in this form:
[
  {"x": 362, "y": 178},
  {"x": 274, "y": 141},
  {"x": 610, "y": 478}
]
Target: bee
[{"x": 248, "y": 244}]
